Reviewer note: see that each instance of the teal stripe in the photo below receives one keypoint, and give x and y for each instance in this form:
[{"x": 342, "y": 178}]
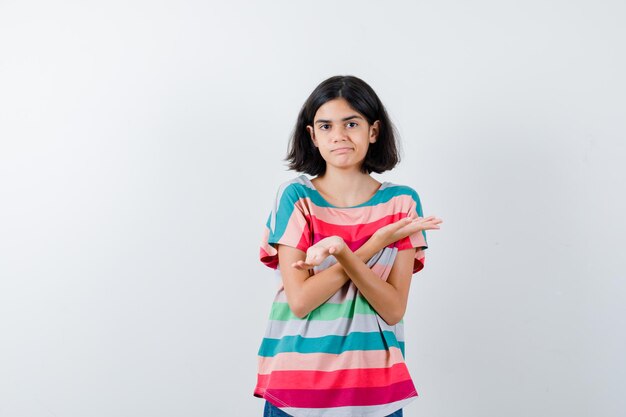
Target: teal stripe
[
  {"x": 331, "y": 344},
  {"x": 382, "y": 196}
]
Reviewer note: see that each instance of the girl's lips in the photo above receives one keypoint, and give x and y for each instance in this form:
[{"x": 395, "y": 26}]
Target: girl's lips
[{"x": 342, "y": 150}]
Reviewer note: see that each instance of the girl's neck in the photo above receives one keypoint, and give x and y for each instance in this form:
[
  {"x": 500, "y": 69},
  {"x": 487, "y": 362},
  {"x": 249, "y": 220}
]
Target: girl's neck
[{"x": 346, "y": 188}]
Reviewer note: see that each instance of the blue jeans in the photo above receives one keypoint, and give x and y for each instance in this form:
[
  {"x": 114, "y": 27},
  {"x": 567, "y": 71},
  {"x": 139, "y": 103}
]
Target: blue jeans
[{"x": 272, "y": 411}]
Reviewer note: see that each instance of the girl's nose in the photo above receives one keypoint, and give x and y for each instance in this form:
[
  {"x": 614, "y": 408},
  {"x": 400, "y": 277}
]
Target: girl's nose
[{"x": 339, "y": 135}]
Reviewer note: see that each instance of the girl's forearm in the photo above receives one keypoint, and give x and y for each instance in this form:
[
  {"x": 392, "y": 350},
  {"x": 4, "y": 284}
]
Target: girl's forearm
[
  {"x": 382, "y": 296},
  {"x": 321, "y": 286}
]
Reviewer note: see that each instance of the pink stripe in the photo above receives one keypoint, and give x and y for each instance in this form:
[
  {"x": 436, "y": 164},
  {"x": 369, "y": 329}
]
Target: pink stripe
[
  {"x": 352, "y": 359},
  {"x": 349, "y": 217},
  {"x": 361, "y": 410},
  {"x": 347, "y": 378},
  {"x": 327, "y": 398},
  {"x": 379, "y": 269},
  {"x": 267, "y": 253},
  {"x": 297, "y": 231}
]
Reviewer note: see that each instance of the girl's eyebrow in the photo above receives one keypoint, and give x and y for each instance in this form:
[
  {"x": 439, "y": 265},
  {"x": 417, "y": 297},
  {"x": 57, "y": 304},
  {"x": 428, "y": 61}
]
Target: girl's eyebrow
[{"x": 354, "y": 116}]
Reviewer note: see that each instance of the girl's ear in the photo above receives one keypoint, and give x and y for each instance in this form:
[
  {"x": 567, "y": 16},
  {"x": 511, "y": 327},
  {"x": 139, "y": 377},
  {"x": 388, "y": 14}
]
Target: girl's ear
[
  {"x": 312, "y": 134},
  {"x": 374, "y": 130}
]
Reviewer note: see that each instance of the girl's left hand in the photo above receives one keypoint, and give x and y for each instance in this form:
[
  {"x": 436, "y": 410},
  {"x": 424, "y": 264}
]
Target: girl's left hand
[{"x": 316, "y": 254}]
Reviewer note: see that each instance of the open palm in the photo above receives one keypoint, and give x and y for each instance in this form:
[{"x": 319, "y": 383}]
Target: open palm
[
  {"x": 407, "y": 226},
  {"x": 316, "y": 254}
]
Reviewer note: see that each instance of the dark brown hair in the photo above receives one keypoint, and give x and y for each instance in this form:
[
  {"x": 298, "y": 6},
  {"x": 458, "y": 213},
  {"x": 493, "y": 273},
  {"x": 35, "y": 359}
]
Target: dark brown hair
[{"x": 381, "y": 156}]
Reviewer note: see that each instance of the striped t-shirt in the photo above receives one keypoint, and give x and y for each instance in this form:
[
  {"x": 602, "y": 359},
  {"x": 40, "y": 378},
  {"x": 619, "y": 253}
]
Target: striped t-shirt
[{"x": 342, "y": 359}]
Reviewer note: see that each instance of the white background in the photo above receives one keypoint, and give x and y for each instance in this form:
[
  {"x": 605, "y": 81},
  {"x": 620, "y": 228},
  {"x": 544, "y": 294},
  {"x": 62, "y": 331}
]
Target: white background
[{"x": 141, "y": 146}]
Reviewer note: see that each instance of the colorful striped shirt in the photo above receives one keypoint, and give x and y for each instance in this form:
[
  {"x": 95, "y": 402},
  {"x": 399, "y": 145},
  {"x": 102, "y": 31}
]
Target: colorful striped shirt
[{"x": 342, "y": 359}]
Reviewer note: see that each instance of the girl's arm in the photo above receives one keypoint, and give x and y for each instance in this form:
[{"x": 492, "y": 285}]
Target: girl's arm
[
  {"x": 388, "y": 298},
  {"x": 305, "y": 292}
]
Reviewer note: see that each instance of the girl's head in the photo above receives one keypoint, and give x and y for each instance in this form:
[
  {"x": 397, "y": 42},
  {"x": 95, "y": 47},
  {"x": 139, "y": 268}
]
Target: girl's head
[{"x": 321, "y": 129}]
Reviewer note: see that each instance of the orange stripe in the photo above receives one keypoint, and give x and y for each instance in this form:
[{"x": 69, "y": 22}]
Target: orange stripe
[{"x": 353, "y": 359}]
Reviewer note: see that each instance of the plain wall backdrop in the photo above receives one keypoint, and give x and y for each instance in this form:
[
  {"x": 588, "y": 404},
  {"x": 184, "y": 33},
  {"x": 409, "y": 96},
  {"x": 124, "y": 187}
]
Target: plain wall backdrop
[{"x": 142, "y": 144}]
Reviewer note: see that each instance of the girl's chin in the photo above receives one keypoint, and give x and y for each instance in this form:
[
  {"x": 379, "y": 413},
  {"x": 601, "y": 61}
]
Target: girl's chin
[{"x": 343, "y": 166}]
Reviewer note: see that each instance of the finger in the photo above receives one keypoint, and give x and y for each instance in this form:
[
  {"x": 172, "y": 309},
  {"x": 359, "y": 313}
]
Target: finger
[
  {"x": 403, "y": 221},
  {"x": 304, "y": 266}
]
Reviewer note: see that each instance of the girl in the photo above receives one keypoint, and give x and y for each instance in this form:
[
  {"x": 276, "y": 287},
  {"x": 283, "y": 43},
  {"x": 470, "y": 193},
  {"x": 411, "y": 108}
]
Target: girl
[{"x": 345, "y": 247}]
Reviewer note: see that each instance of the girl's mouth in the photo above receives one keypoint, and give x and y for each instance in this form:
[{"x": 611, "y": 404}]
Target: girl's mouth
[{"x": 342, "y": 150}]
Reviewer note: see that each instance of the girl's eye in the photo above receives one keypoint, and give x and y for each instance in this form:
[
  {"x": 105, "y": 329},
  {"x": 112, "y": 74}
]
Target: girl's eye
[
  {"x": 324, "y": 127},
  {"x": 352, "y": 124}
]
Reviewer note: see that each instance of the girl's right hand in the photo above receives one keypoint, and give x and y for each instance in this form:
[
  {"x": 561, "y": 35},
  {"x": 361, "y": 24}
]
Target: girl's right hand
[
  {"x": 406, "y": 227},
  {"x": 321, "y": 250}
]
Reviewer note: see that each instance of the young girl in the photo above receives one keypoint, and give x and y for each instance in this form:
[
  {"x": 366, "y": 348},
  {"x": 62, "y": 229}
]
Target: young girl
[{"x": 345, "y": 247}]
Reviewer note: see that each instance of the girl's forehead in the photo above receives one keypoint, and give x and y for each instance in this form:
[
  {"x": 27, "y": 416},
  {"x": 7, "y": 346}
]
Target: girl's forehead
[{"x": 337, "y": 108}]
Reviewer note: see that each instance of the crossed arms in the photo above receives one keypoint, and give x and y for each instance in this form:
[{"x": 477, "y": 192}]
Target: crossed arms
[{"x": 389, "y": 298}]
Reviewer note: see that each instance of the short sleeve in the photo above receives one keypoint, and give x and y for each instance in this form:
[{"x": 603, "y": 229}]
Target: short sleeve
[
  {"x": 288, "y": 224},
  {"x": 416, "y": 240}
]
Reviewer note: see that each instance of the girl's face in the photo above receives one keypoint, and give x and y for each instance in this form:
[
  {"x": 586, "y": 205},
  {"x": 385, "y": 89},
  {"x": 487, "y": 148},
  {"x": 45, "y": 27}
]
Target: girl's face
[{"x": 342, "y": 134}]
